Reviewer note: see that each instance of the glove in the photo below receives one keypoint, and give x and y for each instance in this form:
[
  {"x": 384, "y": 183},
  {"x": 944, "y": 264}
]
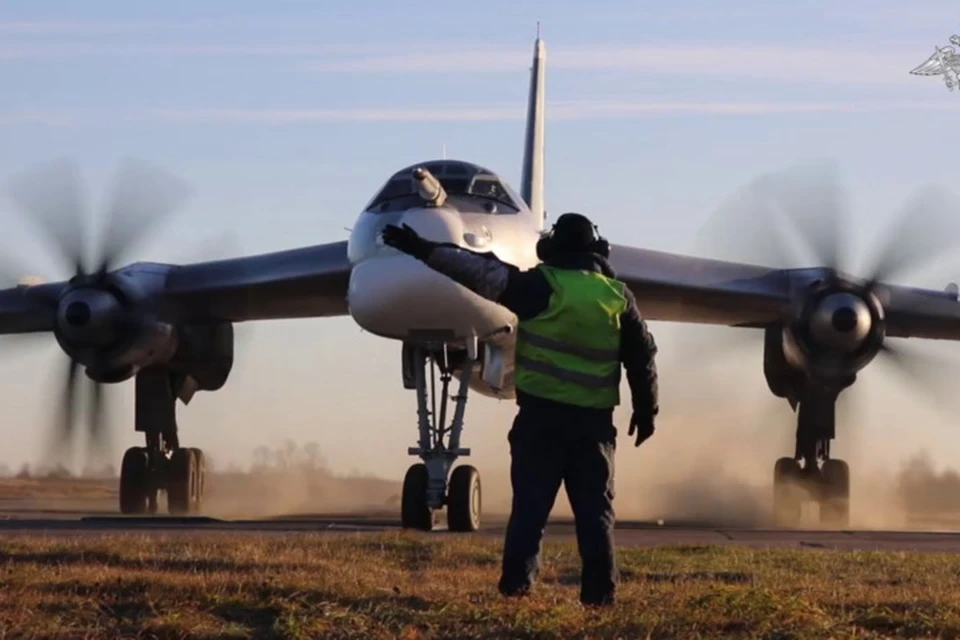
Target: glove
[
  {"x": 406, "y": 240},
  {"x": 641, "y": 424}
]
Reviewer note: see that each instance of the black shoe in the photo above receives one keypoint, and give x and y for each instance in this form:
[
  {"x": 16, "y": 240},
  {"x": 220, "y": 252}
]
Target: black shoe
[
  {"x": 604, "y": 601},
  {"x": 513, "y": 592}
]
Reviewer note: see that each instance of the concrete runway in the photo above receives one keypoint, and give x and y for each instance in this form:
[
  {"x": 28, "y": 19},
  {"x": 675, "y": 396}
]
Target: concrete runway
[{"x": 33, "y": 521}]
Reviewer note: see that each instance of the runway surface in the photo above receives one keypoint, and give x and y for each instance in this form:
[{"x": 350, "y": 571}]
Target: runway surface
[{"x": 31, "y": 521}]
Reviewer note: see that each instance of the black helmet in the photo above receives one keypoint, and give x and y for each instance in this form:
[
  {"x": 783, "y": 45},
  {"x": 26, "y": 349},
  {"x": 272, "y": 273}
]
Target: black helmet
[{"x": 572, "y": 233}]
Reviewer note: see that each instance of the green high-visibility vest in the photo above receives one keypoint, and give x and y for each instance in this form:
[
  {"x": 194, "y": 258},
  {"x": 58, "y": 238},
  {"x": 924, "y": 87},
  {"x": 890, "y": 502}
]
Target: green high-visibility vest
[{"x": 571, "y": 352}]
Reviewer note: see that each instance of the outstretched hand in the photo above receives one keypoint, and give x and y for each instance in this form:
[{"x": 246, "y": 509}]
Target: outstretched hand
[
  {"x": 404, "y": 239},
  {"x": 641, "y": 424}
]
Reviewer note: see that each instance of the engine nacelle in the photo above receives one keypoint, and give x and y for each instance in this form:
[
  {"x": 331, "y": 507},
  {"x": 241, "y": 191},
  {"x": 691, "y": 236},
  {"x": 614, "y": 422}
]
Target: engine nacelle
[
  {"x": 112, "y": 326},
  {"x": 839, "y": 329},
  {"x": 205, "y": 353}
]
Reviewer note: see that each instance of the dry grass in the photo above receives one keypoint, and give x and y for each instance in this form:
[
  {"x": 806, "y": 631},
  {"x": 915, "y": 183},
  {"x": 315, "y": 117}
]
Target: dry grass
[
  {"x": 409, "y": 586},
  {"x": 57, "y": 488}
]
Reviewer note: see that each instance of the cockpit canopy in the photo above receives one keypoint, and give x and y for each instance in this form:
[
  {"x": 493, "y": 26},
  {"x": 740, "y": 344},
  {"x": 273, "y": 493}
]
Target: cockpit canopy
[{"x": 470, "y": 188}]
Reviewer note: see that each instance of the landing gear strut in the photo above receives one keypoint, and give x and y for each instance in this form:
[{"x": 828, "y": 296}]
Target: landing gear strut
[
  {"x": 161, "y": 465},
  {"x": 812, "y": 474},
  {"x": 425, "y": 487}
]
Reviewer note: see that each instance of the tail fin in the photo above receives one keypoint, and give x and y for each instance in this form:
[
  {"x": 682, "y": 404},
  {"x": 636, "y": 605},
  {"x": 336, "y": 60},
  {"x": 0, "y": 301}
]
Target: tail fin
[{"x": 531, "y": 183}]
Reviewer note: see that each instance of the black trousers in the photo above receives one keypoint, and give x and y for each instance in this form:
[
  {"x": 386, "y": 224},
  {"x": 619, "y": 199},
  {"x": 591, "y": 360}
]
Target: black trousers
[{"x": 550, "y": 444}]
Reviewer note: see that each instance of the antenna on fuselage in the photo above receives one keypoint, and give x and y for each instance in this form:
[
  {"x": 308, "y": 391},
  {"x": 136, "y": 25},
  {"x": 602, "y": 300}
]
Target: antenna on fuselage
[{"x": 443, "y": 152}]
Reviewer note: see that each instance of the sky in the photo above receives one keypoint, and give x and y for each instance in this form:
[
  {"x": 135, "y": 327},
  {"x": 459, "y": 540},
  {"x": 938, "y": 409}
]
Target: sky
[{"x": 286, "y": 116}]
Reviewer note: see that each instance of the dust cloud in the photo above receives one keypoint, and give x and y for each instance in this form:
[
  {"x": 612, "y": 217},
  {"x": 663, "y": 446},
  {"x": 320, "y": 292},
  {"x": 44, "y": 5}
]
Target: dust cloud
[
  {"x": 295, "y": 480},
  {"x": 710, "y": 462},
  {"x": 719, "y": 434},
  {"x": 720, "y": 431}
]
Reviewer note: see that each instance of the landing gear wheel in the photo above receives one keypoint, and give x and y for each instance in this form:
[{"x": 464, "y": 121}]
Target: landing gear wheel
[
  {"x": 414, "y": 512},
  {"x": 133, "y": 482},
  {"x": 787, "y": 492},
  {"x": 201, "y": 463},
  {"x": 182, "y": 482},
  {"x": 463, "y": 501},
  {"x": 835, "y": 496}
]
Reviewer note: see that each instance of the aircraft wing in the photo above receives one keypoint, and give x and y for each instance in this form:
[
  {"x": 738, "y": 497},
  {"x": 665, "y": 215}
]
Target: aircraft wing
[
  {"x": 678, "y": 288},
  {"x": 920, "y": 313},
  {"x": 29, "y": 309},
  {"x": 688, "y": 289},
  {"x": 308, "y": 282}
]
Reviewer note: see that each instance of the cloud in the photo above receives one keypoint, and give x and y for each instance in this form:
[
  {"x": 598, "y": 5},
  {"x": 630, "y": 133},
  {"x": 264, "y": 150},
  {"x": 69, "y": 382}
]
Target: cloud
[
  {"x": 76, "y": 50},
  {"x": 95, "y": 27},
  {"x": 555, "y": 111},
  {"x": 801, "y": 63},
  {"x": 42, "y": 117},
  {"x": 781, "y": 62},
  {"x": 32, "y": 27}
]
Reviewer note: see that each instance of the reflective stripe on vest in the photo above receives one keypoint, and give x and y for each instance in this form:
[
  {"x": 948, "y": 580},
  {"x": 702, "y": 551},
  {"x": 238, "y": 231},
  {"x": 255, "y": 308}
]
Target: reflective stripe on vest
[
  {"x": 584, "y": 379},
  {"x": 587, "y": 353},
  {"x": 570, "y": 352}
]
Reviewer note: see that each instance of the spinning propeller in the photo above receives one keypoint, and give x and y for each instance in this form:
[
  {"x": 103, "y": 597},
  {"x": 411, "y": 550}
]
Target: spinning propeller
[
  {"x": 53, "y": 199},
  {"x": 754, "y": 227}
]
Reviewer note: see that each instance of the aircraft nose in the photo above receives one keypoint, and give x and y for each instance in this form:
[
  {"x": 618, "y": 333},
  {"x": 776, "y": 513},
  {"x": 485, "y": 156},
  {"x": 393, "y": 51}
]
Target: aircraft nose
[{"x": 437, "y": 225}]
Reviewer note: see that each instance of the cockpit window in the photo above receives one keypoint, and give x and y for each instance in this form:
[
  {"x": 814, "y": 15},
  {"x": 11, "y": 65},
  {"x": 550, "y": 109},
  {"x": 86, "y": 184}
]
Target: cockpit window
[
  {"x": 459, "y": 180},
  {"x": 490, "y": 188},
  {"x": 395, "y": 188}
]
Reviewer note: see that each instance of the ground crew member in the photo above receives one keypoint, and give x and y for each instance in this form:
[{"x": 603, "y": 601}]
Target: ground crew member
[{"x": 576, "y": 325}]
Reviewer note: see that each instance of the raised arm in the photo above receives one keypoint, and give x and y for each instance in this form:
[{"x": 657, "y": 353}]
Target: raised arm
[{"x": 525, "y": 293}]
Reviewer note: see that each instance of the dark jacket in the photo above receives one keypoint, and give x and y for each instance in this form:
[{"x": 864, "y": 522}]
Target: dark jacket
[{"x": 527, "y": 294}]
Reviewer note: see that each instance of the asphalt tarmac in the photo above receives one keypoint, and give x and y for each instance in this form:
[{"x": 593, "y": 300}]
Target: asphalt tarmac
[{"x": 29, "y": 520}]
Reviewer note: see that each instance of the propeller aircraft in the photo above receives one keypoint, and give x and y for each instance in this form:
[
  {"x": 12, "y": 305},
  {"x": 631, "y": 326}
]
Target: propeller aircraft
[{"x": 170, "y": 327}]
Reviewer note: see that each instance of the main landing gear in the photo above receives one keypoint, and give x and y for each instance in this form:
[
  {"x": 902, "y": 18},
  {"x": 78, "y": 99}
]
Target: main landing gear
[
  {"x": 425, "y": 487},
  {"x": 162, "y": 465},
  {"x": 812, "y": 474}
]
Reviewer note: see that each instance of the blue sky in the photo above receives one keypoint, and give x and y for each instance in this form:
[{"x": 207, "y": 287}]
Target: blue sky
[{"x": 285, "y": 117}]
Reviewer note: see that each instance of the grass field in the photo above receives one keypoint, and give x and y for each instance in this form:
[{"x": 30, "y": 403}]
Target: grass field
[{"x": 407, "y": 586}]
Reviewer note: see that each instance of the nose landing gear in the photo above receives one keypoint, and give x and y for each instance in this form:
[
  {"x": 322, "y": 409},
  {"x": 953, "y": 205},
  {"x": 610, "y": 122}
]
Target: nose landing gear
[{"x": 426, "y": 488}]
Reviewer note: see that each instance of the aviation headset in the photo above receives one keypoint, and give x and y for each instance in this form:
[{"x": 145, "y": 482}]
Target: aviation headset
[{"x": 549, "y": 245}]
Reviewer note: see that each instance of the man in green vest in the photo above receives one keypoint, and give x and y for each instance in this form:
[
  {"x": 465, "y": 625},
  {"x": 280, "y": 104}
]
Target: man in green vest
[{"x": 577, "y": 325}]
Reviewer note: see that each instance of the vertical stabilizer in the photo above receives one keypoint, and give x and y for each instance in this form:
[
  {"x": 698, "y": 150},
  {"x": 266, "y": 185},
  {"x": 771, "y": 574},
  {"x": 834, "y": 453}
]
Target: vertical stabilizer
[{"x": 531, "y": 183}]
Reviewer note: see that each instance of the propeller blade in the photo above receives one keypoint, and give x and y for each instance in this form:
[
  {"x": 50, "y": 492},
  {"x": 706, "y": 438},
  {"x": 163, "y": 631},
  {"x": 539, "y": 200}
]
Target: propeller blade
[
  {"x": 930, "y": 374},
  {"x": 746, "y": 228},
  {"x": 62, "y": 435},
  {"x": 926, "y": 227},
  {"x": 143, "y": 196},
  {"x": 99, "y": 444},
  {"x": 812, "y": 199},
  {"x": 223, "y": 245},
  {"x": 52, "y": 197}
]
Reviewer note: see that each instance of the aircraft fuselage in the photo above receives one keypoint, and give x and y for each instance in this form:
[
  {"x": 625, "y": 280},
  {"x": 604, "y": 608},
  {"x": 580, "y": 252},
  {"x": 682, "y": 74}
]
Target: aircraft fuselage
[{"x": 395, "y": 296}]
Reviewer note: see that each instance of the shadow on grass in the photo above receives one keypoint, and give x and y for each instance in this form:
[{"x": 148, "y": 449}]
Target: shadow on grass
[
  {"x": 261, "y": 610},
  {"x": 900, "y": 619},
  {"x": 104, "y": 559},
  {"x": 571, "y": 577}
]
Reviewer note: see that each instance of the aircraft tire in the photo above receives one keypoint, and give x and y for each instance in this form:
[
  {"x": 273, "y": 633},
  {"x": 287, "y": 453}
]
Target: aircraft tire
[
  {"x": 414, "y": 511},
  {"x": 201, "y": 487},
  {"x": 787, "y": 492},
  {"x": 464, "y": 499},
  {"x": 835, "y": 496},
  {"x": 133, "y": 482},
  {"x": 182, "y": 482}
]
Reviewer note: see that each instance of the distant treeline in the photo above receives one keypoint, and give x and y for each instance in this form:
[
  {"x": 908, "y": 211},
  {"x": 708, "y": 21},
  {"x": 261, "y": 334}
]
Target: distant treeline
[
  {"x": 925, "y": 491},
  {"x": 290, "y": 457}
]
